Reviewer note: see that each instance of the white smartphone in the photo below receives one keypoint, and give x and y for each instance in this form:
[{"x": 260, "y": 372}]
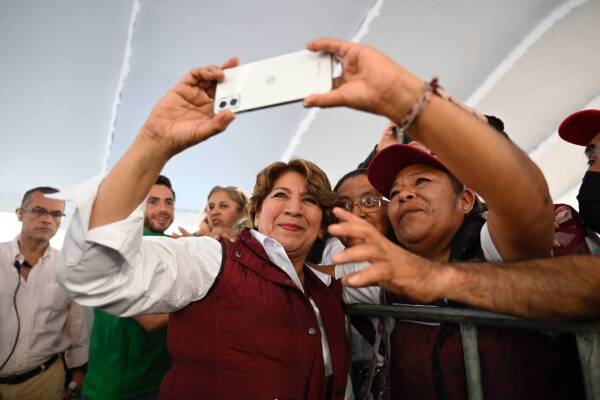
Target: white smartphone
[{"x": 273, "y": 81}]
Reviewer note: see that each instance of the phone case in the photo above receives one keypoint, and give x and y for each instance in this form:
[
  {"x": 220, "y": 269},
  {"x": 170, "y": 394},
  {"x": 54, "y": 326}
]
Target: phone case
[{"x": 274, "y": 81}]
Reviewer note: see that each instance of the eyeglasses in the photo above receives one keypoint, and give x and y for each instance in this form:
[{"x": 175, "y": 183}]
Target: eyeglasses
[
  {"x": 368, "y": 203},
  {"x": 42, "y": 212}
]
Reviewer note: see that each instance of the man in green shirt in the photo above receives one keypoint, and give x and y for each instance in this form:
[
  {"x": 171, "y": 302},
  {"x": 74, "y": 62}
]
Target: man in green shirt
[{"x": 128, "y": 356}]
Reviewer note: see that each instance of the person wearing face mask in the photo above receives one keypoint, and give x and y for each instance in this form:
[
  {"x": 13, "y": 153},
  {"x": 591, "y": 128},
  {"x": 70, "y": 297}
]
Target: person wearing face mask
[{"x": 583, "y": 129}]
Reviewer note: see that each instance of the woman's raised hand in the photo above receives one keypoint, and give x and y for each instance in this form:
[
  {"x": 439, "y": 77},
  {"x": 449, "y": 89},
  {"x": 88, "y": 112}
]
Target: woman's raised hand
[
  {"x": 370, "y": 81},
  {"x": 185, "y": 116},
  {"x": 393, "y": 268}
]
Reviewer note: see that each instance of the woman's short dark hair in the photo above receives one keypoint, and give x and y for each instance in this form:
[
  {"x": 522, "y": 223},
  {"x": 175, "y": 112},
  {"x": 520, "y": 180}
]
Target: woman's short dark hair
[
  {"x": 351, "y": 174},
  {"x": 163, "y": 180},
  {"x": 317, "y": 185}
]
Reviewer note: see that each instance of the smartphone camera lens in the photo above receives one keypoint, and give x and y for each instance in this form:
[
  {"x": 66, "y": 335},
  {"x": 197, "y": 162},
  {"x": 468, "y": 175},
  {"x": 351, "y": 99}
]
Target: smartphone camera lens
[
  {"x": 233, "y": 102},
  {"x": 222, "y": 104}
]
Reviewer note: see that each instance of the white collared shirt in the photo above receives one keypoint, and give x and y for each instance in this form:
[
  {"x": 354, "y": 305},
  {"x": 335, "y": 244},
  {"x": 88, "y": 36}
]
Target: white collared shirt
[
  {"x": 50, "y": 322},
  {"x": 115, "y": 269}
]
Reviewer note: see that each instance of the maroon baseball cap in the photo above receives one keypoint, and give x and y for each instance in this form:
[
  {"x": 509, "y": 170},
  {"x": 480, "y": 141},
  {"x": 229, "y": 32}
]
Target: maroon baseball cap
[
  {"x": 580, "y": 127},
  {"x": 386, "y": 165}
]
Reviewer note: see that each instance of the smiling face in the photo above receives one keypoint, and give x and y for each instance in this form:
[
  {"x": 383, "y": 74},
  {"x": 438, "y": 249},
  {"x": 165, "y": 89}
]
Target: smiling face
[
  {"x": 222, "y": 210},
  {"x": 425, "y": 210},
  {"x": 290, "y": 215},
  {"x": 354, "y": 189},
  {"x": 40, "y": 226},
  {"x": 160, "y": 209}
]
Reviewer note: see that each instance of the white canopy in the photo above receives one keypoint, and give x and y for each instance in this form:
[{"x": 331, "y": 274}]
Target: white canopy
[{"x": 78, "y": 78}]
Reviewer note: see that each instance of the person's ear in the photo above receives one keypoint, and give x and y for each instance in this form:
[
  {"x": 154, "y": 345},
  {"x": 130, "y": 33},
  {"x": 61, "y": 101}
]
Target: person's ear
[
  {"x": 256, "y": 218},
  {"x": 466, "y": 201},
  {"x": 19, "y": 212}
]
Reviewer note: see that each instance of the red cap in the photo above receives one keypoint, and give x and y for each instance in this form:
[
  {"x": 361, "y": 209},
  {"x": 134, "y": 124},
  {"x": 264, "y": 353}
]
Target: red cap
[
  {"x": 386, "y": 165},
  {"x": 580, "y": 127}
]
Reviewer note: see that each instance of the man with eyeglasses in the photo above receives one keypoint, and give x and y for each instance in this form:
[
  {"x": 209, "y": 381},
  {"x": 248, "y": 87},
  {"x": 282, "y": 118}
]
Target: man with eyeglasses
[{"x": 40, "y": 324}]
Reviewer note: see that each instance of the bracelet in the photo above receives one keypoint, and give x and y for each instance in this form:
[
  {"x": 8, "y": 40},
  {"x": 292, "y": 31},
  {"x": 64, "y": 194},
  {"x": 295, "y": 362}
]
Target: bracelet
[{"x": 427, "y": 90}]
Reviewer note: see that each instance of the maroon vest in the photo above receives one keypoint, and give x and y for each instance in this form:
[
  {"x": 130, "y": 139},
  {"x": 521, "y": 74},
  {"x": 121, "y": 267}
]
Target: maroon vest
[
  {"x": 427, "y": 361},
  {"x": 256, "y": 336}
]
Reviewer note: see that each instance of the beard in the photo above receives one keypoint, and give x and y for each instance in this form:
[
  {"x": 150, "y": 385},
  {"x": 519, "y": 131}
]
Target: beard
[{"x": 156, "y": 226}]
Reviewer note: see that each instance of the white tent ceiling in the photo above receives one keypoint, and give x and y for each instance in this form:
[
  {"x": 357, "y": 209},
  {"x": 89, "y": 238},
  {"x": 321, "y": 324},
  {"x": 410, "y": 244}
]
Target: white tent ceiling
[{"x": 78, "y": 78}]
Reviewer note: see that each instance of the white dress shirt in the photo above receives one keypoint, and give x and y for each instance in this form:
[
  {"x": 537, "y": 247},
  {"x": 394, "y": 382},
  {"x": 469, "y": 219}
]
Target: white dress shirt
[
  {"x": 50, "y": 322},
  {"x": 115, "y": 269}
]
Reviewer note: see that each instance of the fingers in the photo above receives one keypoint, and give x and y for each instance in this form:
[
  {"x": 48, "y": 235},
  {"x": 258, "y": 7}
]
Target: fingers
[
  {"x": 326, "y": 99},
  {"x": 337, "y": 82},
  {"x": 330, "y": 99},
  {"x": 205, "y": 76},
  {"x": 330, "y": 45},
  {"x": 366, "y": 277},
  {"x": 359, "y": 253},
  {"x": 388, "y": 137},
  {"x": 231, "y": 63},
  {"x": 220, "y": 121},
  {"x": 351, "y": 226},
  {"x": 210, "y": 73}
]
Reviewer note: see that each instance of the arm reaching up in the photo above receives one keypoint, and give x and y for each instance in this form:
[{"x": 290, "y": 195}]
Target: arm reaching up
[
  {"x": 183, "y": 118},
  {"x": 547, "y": 288}
]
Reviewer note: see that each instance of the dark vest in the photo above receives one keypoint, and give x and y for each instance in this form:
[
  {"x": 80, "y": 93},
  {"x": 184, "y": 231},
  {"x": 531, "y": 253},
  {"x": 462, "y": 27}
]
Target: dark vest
[
  {"x": 427, "y": 361},
  {"x": 256, "y": 336}
]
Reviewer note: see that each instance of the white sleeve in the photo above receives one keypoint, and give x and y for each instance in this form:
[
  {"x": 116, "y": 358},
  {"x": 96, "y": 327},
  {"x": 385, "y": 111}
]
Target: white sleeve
[
  {"x": 368, "y": 294},
  {"x": 490, "y": 252},
  {"x": 115, "y": 269},
  {"x": 78, "y": 330}
]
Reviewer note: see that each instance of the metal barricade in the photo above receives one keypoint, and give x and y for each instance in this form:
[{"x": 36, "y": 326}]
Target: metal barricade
[{"x": 587, "y": 335}]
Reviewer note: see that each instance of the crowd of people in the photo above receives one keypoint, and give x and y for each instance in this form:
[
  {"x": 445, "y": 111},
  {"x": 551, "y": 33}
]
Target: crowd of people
[{"x": 446, "y": 211}]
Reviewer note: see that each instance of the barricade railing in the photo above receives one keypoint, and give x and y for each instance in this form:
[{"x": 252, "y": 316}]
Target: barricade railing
[{"x": 587, "y": 335}]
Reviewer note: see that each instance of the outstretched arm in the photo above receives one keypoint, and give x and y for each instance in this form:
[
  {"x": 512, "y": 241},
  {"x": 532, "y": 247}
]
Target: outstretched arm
[
  {"x": 104, "y": 262},
  {"x": 182, "y": 118},
  {"x": 520, "y": 217},
  {"x": 547, "y": 288}
]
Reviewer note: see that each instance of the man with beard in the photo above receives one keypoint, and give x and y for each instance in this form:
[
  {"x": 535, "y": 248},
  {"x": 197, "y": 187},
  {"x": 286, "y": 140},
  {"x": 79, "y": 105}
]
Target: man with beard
[
  {"x": 160, "y": 206},
  {"x": 128, "y": 356}
]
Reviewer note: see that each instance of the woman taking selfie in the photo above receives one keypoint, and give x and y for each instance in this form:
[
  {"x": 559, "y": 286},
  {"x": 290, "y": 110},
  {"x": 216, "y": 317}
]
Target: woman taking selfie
[{"x": 248, "y": 319}]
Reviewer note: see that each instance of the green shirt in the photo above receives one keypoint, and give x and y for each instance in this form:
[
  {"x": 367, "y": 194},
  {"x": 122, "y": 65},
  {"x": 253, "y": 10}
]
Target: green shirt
[{"x": 125, "y": 361}]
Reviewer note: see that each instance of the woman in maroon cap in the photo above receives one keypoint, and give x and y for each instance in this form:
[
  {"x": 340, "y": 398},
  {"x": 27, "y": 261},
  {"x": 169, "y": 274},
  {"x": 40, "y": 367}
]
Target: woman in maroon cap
[{"x": 435, "y": 215}]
